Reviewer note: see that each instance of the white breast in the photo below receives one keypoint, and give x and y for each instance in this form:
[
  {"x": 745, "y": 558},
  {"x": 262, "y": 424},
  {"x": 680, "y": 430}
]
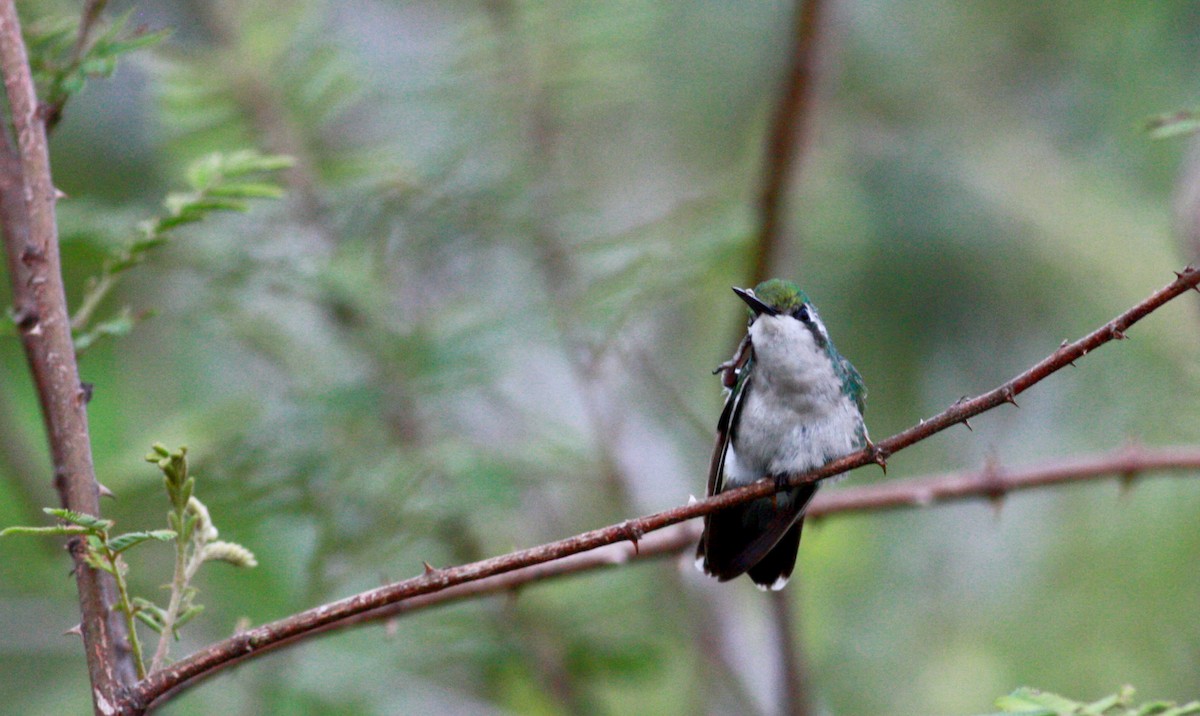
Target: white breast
[{"x": 795, "y": 416}]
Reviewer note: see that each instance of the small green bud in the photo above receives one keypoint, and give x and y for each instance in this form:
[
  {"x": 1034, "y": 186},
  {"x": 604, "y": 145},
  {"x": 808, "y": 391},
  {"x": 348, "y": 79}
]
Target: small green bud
[{"x": 159, "y": 451}]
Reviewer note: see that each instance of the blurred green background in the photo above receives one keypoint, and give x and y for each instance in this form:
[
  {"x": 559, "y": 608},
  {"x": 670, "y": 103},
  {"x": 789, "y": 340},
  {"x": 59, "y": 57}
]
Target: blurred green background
[{"x": 486, "y": 315}]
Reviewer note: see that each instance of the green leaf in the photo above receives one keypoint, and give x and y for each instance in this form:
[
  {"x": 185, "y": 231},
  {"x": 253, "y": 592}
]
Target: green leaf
[
  {"x": 97, "y": 561},
  {"x": 145, "y": 605},
  {"x": 120, "y": 543},
  {"x": 1098, "y": 708},
  {"x": 189, "y": 526},
  {"x": 188, "y": 614},
  {"x": 157, "y": 452},
  {"x": 1033, "y": 699},
  {"x": 94, "y": 524},
  {"x": 45, "y": 531},
  {"x": 1173, "y": 124},
  {"x": 248, "y": 161},
  {"x": 1168, "y": 708},
  {"x": 248, "y": 190},
  {"x": 120, "y": 325},
  {"x": 170, "y": 222},
  {"x": 149, "y": 620}
]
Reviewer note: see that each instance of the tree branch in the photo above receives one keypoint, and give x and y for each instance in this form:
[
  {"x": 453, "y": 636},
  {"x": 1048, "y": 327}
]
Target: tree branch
[
  {"x": 217, "y": 656},
  {"x": 787, "y": 135},
  {"x": 27, "y": 205},
  {"x": 991, "y": 482}
]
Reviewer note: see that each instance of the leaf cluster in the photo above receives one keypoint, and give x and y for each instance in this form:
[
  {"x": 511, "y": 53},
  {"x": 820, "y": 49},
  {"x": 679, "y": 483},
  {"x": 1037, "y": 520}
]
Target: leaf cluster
[
  {"x": 1034, "y": 702},
  {"x": 217, "y": 182},
  {"x": 63, "y": 58},
  {"x": 190, "y": 528}
]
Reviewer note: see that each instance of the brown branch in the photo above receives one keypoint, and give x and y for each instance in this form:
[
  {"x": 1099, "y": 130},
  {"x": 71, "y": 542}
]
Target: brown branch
[
  {"x": 787, "y": 136},
  {"x": 30, "y": 232},
  {"x": 990, "y": 483},
  {"x": 217, "y": 656}
]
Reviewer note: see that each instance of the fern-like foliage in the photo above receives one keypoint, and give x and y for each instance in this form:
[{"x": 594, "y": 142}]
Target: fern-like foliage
[
  {"x": 216, "y": 183},
  {"x": 1034, "y": 702},
  {"x": 66, "y": 51}
]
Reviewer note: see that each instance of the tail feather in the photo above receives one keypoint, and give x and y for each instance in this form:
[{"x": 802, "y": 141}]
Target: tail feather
[
  {"x": 764, "y": 530},
  {"x": 773, "y": 571}
]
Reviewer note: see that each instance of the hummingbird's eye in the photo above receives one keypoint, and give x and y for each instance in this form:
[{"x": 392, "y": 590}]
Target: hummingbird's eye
[{"x": 801, "y": 313}]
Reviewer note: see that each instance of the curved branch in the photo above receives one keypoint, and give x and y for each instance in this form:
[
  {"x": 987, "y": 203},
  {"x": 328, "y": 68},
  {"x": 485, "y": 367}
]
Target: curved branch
[
  {"x": 992, "y": 482},
  {"x": 259, "y": 639}
]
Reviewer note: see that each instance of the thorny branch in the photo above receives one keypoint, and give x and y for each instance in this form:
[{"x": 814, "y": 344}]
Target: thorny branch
[
  {"x": 217, "y": 656},
  {"x": 30, "y": 233},
  {"x": 991, "y": 483}
]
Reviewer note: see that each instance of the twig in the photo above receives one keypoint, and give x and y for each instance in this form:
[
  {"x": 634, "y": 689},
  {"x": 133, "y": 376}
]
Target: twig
[
  {"x": 988, "y": 483},
  {"x": 948, "y": 488},
  {"x": 31, "y": 245},
  {"x": 787, "y": 136},
  {"x": 217, "y": 656},
  {"x": 92, "y": 10},
  {"x": 992, "y": 482}
]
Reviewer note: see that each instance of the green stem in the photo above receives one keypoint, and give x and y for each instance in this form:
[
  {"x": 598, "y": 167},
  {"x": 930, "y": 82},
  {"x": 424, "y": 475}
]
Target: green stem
[
  {"x": 124, "y": 604},
  {"x": 179, "y": 584},
  {"x": 91, "y": 301}
]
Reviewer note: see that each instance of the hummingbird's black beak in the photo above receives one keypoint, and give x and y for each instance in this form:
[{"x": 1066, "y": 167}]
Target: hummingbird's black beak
[{"x": 752, "y": 301}]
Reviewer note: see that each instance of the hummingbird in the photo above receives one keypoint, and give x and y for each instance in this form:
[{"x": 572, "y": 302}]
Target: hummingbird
[{"x": 793, "y": 404}]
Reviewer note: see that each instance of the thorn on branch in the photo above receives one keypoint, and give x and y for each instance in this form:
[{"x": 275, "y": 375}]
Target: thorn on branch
[
  {"x": 1062, "y": 347},
  {"x": 26, "y": 318},
  {"x": 31, "y": 254},
  {"x": 1116, "y": 333},
  {"x": 633, "y": 532},
  {"x": 104, "y": 491},
  {"x": 1186, "y": 274},
  {"x": 76, "y": 630},
  {"x": 879, "y": 455},
  {"x": 84, "y": 396},
  {"x": 428, "y": 568},
  {"x": 1010, "y": 396},
  {"x": 967, "y": 423}
]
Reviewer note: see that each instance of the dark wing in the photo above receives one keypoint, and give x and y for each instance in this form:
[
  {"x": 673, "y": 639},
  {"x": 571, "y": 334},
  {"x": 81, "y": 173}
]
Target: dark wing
[{"x": 742, "y": 364}]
